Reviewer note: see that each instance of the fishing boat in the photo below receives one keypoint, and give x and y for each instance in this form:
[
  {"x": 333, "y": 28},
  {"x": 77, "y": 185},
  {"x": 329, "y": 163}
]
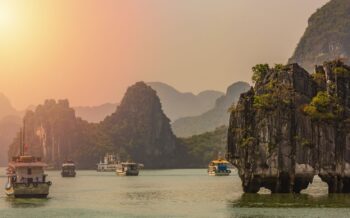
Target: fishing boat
[
  {"x": 219, "y": 168},
  {"x": 109, "y": 163},
  {"x": 68, "y": 169},
  {"x": 128, "y": 169},
  {"x": 26, "y": 177}
]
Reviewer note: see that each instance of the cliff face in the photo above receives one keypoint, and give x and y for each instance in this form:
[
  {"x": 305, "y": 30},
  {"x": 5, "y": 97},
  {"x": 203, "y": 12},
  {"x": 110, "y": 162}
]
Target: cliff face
[
  {"x": 140, "y": 130},
  {"x": 292, "y": 126},
  {"x": 327, "y": 36},
  {"x": 54, "y": 133},
  {"x": 137, "y": 130}
]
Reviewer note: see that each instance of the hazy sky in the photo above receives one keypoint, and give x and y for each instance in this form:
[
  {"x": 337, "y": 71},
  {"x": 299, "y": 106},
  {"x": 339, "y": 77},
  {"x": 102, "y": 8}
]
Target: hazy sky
[{"x": 91, "y": 51}]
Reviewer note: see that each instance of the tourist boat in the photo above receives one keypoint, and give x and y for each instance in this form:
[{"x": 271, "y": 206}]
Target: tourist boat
[
  {"x": 219, "y": 168},
  {"x": 128, "y": 169},
  {"x": 68, "y": 169},
  {"x": 26, "y": 177},
  {"x": 109, "y": 163}
]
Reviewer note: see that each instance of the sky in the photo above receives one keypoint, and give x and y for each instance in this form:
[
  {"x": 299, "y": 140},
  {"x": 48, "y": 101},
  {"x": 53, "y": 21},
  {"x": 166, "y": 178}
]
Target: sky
[{"x": 90, "y": 51}]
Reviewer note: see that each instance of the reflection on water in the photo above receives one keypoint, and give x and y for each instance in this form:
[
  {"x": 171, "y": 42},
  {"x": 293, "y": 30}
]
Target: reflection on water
[
  {"x": 170, "y": 193},
  {"x": 292, "y": 201},
  {"x": 26, "y": 202}
]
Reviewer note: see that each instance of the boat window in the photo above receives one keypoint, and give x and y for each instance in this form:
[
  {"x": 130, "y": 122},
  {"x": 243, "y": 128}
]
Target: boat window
[{"x": 29, "y": 171}]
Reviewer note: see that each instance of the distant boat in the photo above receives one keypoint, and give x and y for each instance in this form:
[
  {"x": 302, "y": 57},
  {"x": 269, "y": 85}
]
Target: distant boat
[
  {"x": 68, "y": 169},
  {"x": 219, "y": 168},
  {"x": 128, "y": 169},
  {"x": 26, "y": 178},
  {"x": 109, "y": 164}
]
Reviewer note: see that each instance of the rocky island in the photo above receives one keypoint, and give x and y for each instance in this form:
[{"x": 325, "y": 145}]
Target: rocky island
[{"x": 291, "y": 127}]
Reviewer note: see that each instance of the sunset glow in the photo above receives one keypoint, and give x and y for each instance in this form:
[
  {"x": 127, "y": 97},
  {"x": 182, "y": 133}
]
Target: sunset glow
[
  {"x": 7, "y": 17},
  {"x": 91, "y": 51}
]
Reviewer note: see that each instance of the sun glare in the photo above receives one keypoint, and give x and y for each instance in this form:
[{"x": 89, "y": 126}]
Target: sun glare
[{"x": 6, "y": 16}]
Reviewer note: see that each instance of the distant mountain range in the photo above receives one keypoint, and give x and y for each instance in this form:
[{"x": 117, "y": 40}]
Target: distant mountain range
[
  {"x": 178, "y": 104},
  {"x": 175, "y": 104},
  {"x": 10, "y": 121},
  {"x": 95, "y": 114},
  {"x": 213, "y": 118},
  {"x": 6, "y": 107}
]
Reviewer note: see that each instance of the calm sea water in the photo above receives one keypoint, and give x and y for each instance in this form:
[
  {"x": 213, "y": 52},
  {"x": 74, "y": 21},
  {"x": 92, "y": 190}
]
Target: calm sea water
[{"x": 169, "y": 193}]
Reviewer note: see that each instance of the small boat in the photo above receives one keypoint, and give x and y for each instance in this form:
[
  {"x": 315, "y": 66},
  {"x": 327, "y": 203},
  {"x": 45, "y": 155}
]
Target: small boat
[
  {"x": 68, "y": 169},
  {"x": 128, "y": 169},
  {"x": 219, "y": 168},
  {"x": 26, "y": 178},
  {"x": 25, "y": 175},
  {"x": 109, "y": 164}
]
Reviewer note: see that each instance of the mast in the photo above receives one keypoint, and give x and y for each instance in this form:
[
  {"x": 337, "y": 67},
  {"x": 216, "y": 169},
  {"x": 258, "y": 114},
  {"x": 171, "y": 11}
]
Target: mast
[
  {"x": 21, "y": 142},
  {"x": 22, "y": 138},
  {"x": 24, "y": 135}
]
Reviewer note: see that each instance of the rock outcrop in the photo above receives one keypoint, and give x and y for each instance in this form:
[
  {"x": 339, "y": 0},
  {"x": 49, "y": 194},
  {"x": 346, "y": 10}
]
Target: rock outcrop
[
  {"x": 54, "y": 133},
  {"x": 327, "y": 36},
  {"x": 292, "y": 126},
  {"x": 140, "y": 129},
  {"x": 137, "y": 130}
]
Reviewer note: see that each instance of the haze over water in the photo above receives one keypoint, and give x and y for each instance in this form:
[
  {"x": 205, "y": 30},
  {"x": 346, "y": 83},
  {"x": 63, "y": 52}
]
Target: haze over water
[{"x": 170, "y": 193}]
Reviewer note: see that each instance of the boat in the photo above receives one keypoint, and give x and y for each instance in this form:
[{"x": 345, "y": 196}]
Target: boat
[
  {"x": 109, "y": 163},
  {"x": 219, "y": 167},
  {"x": 128, "y": 169},
  {"x": 68, "y": 169},
  {"x": 26, "y": 177}
]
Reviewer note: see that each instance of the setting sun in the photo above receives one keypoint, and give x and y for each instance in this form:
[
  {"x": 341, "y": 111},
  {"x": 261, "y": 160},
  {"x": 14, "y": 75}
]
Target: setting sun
[{"x": 6, "y": 16}]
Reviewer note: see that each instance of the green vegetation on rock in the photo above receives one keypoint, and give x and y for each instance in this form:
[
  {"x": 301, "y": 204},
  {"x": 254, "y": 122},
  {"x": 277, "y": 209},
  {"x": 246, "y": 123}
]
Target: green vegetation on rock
[
  {"x": 323, "y": 107},
  {"x": 259, "y": 72}
]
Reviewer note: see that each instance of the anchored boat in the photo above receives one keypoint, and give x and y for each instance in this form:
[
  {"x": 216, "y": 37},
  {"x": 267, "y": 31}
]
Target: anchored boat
[
  {"x": 26, "y": 177},
  {"x": 68, "y": 169},
  {"x": 219, "y": 168},
  {"x": 109, "y": 164},
  {"x": 128, "y": 169}
]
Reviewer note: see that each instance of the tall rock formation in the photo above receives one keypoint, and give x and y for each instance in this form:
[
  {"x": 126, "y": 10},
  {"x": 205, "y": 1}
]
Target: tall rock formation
[
  {"x": 292, "y": 126},
  {"x": 137, "y": 130},
  {"x": 54, "y": 133},
  {"x": 327, "y": 36},
  {"x": 140, "y": 130},
  {"x": 213, "y": 118}
]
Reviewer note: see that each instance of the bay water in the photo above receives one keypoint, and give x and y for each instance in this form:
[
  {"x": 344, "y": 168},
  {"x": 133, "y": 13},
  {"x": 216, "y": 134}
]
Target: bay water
[{"x": 169, "y": 193}]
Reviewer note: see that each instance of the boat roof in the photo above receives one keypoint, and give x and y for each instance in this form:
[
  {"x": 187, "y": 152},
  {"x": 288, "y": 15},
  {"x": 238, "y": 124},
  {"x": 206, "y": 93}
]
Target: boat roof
[
  {"x": 26, "y": 161},
  {"x": 220, "y": 161},
  {"x": 23, "y": 165},
  {"x": 68, "y": 165},
  {"x": 128, "y": 163}
]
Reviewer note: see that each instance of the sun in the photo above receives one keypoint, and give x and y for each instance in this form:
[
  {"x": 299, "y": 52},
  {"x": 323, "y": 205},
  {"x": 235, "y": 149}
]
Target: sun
[{"x": 6, "y": 16}]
